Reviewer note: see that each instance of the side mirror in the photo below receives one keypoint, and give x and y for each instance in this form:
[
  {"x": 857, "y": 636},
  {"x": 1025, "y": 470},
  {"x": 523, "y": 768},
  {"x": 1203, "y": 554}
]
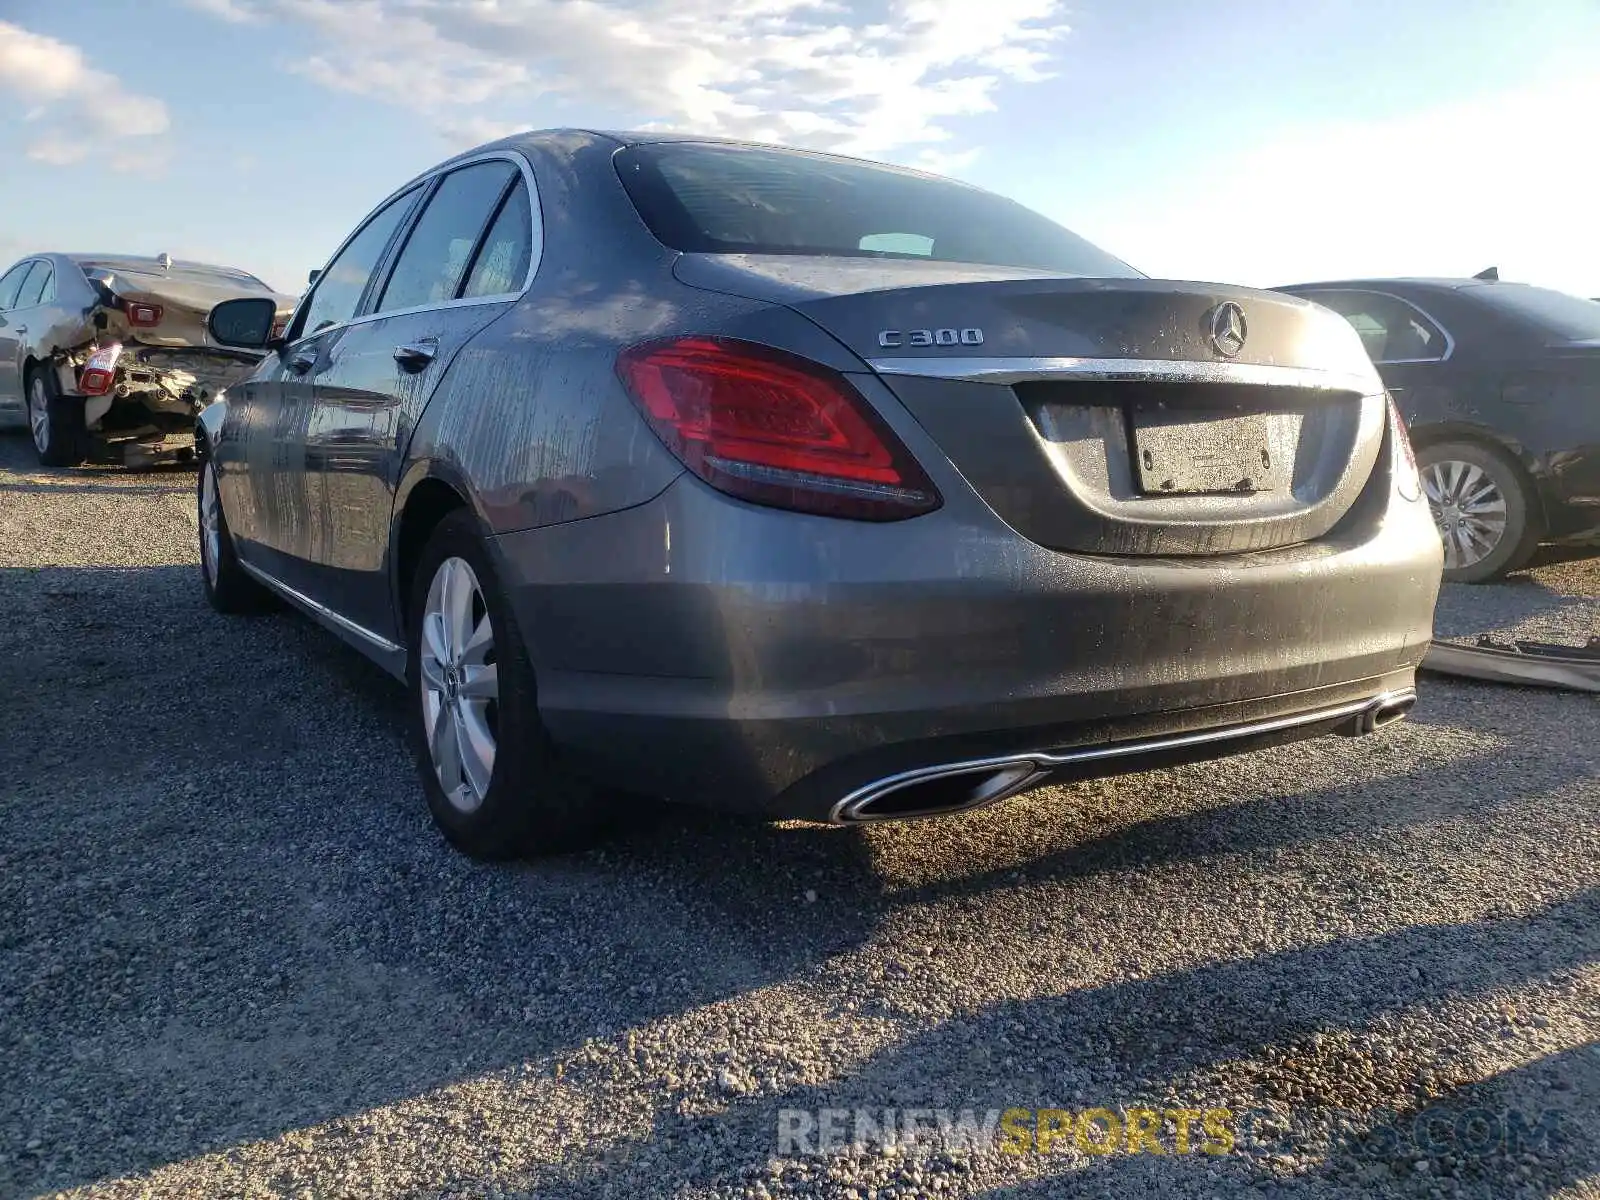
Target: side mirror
[
  {"x": 312, "y": 277},
  {"x": 245, "y": 323}
]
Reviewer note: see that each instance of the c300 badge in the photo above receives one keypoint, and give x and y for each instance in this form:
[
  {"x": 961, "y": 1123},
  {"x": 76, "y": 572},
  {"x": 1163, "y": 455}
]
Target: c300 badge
[{"x": 893, "y": 339}]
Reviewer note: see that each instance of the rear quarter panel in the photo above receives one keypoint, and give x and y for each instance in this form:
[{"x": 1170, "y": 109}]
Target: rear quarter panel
[{"x": 531, "y": 420}]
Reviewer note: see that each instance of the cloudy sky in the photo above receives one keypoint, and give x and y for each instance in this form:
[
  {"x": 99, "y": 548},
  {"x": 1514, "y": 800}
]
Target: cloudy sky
[{"x": 1254, "y": 141}]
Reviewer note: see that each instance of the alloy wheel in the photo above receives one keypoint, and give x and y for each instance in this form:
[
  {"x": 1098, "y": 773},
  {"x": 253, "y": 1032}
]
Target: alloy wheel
[
  {"x": 210, "y": 524},
  {"x": 460, "y": 684},
  {"x": 39, "y": 414},
  {"x": 1468, "y": 508}
]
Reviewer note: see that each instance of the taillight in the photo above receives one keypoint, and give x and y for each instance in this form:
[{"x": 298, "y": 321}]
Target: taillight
[
  {"x": 100, "y": 372},
  {"x": 773, "y": 428},
  {"x": 1406, "y": 476},
  {"x": 141, "y": 315}
]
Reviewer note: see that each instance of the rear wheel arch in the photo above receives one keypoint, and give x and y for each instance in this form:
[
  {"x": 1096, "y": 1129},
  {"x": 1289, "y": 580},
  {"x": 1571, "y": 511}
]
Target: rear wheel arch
[{"x": 428, "y": 502}]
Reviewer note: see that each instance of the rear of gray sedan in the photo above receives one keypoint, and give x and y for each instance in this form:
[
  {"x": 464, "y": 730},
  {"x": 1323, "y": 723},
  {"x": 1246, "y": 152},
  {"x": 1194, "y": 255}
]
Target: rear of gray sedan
[
  {"x": 808, "y": 487},
  {"x": 981, "y": 508}
]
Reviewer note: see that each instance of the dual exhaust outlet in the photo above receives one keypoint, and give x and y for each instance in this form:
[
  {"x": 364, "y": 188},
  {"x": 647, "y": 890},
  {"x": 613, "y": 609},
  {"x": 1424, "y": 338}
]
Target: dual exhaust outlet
[{"x": 963, "y": 786}]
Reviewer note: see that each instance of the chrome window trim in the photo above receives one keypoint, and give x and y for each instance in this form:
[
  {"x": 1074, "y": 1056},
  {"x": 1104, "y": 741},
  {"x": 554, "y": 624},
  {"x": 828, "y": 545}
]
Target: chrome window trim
[
  {"x": 1005, "y": 371},
  {"x": 517, "y": 160},
  {"x": 318, "y": 609},
  {"x": 1449, "y": 341}
]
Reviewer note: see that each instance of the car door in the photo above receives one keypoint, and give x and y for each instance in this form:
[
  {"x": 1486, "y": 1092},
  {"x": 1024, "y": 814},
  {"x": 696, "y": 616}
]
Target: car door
[
  {"x": 16, "y": 283},
  {"x": 465, "y": 259},
  {"x": 273, "y": 511},
  {"x": 12, "y": 405}
]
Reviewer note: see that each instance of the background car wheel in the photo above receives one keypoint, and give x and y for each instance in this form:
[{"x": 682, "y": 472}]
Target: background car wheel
[
  {"x": 495, "y": 785},
  {"x": 227, "y": 587},
  {"x": 1482, "y": 507},
  {"x": 56, "y": 421}
]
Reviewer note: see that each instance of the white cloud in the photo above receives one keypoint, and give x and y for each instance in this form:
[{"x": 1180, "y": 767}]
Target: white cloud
[
  {"x": 467, "y": 132},
  {"x": 228, "y": 10},
  {"x": 81, "y": 110},
  {"x": 817, "y": 73}
]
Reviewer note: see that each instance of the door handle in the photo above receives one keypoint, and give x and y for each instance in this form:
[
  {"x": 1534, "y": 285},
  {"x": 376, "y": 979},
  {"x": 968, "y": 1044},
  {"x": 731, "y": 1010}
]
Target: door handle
[
  {"x": 413, "y": 356},
  {"x": 301, "y": 363},
  {"x": 22, "y": 329}
]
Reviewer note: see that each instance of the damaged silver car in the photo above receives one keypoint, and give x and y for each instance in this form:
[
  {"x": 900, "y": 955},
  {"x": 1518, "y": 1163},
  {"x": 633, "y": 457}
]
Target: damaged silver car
[{"x": 107, "y": 356}]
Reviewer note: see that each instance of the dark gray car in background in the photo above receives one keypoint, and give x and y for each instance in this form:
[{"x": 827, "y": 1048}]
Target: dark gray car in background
[
  {"x": 1499, "y": 385},
  {"x": 807, "y": 487}
]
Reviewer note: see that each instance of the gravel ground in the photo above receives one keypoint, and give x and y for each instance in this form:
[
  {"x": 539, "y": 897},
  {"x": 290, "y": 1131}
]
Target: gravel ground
[{"x": 236, "y": 960}]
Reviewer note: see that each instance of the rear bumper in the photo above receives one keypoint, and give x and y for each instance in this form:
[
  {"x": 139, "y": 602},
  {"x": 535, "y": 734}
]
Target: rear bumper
[{"x": 725, "y": 654}]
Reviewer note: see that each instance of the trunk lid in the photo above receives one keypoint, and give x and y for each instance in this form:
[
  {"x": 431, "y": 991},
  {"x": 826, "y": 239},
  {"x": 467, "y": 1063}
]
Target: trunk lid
[
  {"x": 185, "y": 298},
  {"x": 1105, "y": 416}
]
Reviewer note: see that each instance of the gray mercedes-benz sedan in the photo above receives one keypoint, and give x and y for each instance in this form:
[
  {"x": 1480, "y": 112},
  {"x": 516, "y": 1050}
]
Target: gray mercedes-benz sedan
[{"x": 809, "y": 487}]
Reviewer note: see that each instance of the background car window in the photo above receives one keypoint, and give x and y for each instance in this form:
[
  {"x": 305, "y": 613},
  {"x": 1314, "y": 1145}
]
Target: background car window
[
  {"x": 339, "y": 288},
  {"x": 502, "y": 263},
  {"x": 11, "y": 284},
  {"x": 439, "y": 249},
  {"x": 1391, "y": 329},
  {"x": 33, "y": 290}
]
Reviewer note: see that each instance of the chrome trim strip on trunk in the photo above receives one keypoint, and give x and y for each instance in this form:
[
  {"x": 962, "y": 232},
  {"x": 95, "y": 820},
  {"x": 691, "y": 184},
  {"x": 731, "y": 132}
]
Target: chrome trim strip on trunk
[
  {"x": 1046, "y": 760},
  {"x": 1021, "y": 370},
  {"x": 320, "y": 610}
]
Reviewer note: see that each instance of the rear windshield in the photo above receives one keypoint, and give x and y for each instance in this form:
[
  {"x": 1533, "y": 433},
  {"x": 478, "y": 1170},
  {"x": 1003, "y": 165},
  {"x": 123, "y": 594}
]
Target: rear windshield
[
  {"x": 1571, "y": 318},
  {"x": 720, "y": 199}
]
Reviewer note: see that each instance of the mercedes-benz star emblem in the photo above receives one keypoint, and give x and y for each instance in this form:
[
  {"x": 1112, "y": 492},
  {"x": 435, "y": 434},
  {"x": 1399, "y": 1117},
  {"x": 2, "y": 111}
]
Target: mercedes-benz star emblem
[{"x": 1228, "y": 329}]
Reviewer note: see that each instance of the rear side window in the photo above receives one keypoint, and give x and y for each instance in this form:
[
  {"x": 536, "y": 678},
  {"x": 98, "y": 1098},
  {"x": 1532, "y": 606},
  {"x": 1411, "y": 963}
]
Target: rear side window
[
  {"x": 502, "y": 262},
  {"x": 11, "y": 284},
  {"x": 720, "y": 199},
  {"x": 340, "y": 287},
  {"x": 39, "y": 287},
  {"x": 1391, "y": 329},
  {"x": 439, "y": 249}
]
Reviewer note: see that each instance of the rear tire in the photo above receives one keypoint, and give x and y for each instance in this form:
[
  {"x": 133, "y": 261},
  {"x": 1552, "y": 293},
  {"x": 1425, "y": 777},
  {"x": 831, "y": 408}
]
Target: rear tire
[
  {"x": 1483, "y": 508},
  {"x": 60, "y": 437},
  {"x": 495, "y": 785},
  {"x": 228, "y": 588}
]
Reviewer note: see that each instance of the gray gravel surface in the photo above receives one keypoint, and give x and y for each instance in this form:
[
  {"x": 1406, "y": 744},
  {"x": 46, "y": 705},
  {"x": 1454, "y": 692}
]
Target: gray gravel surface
[{"x": 235, "y": 959}]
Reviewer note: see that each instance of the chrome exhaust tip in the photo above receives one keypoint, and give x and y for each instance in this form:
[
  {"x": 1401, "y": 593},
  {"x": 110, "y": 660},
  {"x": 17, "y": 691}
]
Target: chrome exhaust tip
[
  {"x": 1382, "y": 710},
  {"x": 963, "y": 786},
  {"x": 935, "y": 792}
]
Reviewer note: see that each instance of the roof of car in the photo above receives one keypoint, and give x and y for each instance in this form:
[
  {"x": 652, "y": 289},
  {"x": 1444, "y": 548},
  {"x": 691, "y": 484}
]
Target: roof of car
[{"x": 644, "y": 137}]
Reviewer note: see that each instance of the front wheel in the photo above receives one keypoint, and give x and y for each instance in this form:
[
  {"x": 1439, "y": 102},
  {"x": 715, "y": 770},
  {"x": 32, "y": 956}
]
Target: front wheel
[
  {"x": 1484, "y": 511},
  {"x": 60, "y": 437},
  {"x": 494, "y": 783}
]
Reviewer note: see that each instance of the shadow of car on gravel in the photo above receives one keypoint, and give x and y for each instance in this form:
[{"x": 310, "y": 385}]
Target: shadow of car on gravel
[
  {"x": 1127, "y": 1044},
  {"x": 235, "y": 917}
]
